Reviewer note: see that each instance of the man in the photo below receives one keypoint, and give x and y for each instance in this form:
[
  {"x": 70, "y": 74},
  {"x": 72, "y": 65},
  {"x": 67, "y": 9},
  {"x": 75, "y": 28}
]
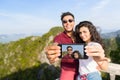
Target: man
[
  {"x": 67, "y": 37},
  {"x": 69, "y": 51},
  {"x": 69, "y": 66}
]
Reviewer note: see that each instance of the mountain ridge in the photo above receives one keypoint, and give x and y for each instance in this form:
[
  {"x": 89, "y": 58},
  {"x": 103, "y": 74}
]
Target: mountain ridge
[
  {"x": 6, "y": 38},
  {"x": 25, "y": 59},
  {"x": 111, "y": 34}
]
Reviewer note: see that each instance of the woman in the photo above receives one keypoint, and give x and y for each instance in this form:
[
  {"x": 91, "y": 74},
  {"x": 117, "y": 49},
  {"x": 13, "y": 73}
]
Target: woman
[
  {"x": 76, "y": 54},
  {"x": 89, "y": 68}
]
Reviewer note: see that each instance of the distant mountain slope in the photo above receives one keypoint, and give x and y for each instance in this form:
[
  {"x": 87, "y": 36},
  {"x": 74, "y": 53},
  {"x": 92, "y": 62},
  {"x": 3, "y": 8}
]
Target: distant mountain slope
[
  {"x": 111, "y": 34},
  {"x": 5, "y": 38}
]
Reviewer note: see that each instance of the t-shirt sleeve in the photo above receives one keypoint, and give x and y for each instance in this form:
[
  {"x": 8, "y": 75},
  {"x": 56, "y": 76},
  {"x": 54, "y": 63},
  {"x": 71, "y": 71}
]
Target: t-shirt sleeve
[{"x": 57, "y": 39}]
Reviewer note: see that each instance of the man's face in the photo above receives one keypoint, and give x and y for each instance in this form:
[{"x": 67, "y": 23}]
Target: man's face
[
  {"x": 68, "y": 23},
  {"x": 69, "y": 50}
]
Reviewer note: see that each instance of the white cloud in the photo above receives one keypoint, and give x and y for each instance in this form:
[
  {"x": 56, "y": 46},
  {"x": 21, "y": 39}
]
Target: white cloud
[
  {"x": 100, "y": 5},
  {"x": 106, "y": 15},
  {"x": 3, "y": 14},
  {"x": 24, "y": 23}
]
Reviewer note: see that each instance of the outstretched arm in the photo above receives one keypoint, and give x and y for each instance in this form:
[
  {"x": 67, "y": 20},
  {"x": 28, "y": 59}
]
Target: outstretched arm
[
  {"x": 98, "y": 54},
  {"x": 52, "y": 52}
]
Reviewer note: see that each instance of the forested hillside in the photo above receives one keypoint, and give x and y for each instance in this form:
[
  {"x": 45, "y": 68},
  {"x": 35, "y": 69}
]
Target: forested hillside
[
  {"x": 113, "y": 51},
  {"x": 25, "y": 59},
  {"x": 20, "y": 60}
]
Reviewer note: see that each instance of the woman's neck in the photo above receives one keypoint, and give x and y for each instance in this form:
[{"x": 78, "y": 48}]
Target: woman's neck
[{"x": 87, "y": 41}]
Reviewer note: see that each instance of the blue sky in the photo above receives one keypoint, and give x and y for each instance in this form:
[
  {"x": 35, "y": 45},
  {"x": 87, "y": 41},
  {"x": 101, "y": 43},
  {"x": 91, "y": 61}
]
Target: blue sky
[{"x": 38, "y": 16}]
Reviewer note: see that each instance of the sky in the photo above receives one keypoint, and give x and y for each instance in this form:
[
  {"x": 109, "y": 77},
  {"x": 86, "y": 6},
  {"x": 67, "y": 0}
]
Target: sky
[{"x": 39, "y": 16}]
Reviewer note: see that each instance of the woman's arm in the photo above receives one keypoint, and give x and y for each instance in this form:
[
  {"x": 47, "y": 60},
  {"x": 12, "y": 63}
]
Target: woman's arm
[
  {"x": 97, "y": 52},
  {"x": 102, "y": 63}
]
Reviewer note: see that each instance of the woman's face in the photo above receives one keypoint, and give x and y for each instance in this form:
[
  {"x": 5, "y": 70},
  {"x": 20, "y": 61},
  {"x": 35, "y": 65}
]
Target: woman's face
[
  {"x": 76, "y": 56},
  {"x": 85, "y": 34}
]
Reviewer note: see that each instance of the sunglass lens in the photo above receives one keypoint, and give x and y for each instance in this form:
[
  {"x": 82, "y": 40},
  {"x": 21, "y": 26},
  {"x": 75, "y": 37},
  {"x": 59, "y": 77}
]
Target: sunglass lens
[
  {"x": 65, "y": 21},
  {"x": 70, "y": 20}
]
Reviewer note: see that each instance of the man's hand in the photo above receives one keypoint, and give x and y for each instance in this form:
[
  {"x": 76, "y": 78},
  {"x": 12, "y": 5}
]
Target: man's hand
[{"x": 52, "y": 52}]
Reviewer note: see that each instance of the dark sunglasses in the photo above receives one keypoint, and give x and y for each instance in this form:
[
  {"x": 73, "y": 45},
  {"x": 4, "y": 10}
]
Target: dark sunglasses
[
  {"x": 69, "y": 49},
  {"x": 65, "y": 21}
]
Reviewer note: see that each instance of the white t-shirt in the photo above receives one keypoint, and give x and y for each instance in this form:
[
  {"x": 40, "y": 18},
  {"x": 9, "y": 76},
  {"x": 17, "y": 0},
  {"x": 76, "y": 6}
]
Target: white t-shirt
[{"x": 88, "y": 65}]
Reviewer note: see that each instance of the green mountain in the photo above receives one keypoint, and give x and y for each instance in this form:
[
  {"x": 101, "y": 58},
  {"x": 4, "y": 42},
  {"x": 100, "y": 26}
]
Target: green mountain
[{"x": 25, "y": 59}]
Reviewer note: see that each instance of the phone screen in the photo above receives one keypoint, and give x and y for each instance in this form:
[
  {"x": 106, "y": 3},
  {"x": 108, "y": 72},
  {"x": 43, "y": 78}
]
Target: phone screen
[{"x": 75, "y": 50}]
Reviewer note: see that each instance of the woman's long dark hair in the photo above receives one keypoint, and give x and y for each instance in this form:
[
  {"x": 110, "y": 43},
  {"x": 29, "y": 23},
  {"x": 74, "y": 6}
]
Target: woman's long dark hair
[
  {"x": 76, "y": 51},
  {"x": 95, "y": 36}
]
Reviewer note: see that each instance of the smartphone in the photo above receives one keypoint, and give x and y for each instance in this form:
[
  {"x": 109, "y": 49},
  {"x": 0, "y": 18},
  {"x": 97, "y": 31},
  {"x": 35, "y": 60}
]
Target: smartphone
[{"x": 77, "y": 51}]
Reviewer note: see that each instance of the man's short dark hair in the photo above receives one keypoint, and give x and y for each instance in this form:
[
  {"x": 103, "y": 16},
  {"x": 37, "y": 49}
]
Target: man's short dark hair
[
  {"x": 66, "y": 14},
  {"x": 69, "y": 47}
]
